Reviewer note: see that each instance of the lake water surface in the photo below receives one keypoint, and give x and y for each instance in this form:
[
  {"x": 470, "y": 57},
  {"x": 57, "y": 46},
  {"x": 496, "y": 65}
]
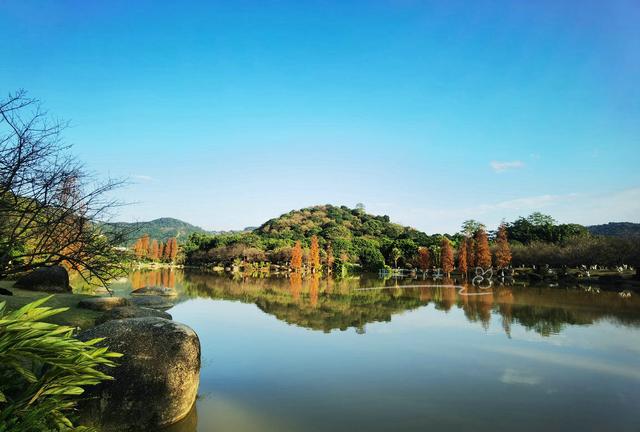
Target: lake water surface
[{"x": 282, "y": 354}]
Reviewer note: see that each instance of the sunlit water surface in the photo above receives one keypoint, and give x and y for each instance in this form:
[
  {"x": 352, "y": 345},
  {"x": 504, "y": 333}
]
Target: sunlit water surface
[{"x": 282, "y": 354}]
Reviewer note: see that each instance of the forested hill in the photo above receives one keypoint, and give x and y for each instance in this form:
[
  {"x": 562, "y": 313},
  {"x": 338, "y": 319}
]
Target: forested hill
[
  {"x": 616, "y": 229},
  {"x": 353, "y": 235},
  {"x": 335, "y": 223},
  {"x": 159, "y": 229}
]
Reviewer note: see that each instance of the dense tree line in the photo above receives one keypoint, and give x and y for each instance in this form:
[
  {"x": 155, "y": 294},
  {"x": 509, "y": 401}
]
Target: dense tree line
[{"x": 330, "y": 237}]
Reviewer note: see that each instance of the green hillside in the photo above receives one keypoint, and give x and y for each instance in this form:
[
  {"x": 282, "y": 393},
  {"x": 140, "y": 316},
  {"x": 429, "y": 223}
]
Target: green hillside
[
  {"x": 355, "y": 237},
  {"x": 336, "y": 224},
  {"x": 160, "y": 229},
  {"x": 616, "y": 229}
]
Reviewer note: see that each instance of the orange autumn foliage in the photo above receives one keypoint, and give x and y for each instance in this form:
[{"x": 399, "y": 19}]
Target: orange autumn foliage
[
  {"x": 446, "y": 256},
  {"x": 296, "y": 257},
  {"x": 463, "y": 266},
  {"x": 171, "y": 249},
  {"x": 503, "y": 251},
  {"x": 153, "y": 250},
  {"x": 330, "y": 258},
  {"x": 314, "y": 254},
  {"x": 483, "y": 253},
  {"x": 424, "y": 259}
]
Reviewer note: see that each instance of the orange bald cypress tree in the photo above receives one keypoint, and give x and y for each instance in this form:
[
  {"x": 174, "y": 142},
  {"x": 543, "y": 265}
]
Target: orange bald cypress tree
[
  {"x": 141, "y": 247},
  {"x": 161, "y": 250},
  {"x": 314, "y": 254},
  {"x": 463, "y": 266},
  {"x": 483, "y": 253},
  {"x": 137, "y": 249},
  {"x": 446, "y": 256},
  {"x": 153, "y": 250},
  {"x": 171, "y": 249},
  {"x": 471, "y": 252},
  {"x": 503, "y": 251},
  {"x": 144, "y": 244},
  {"x": 296, "y": 257},
  {"x": 424, "y": 259}
]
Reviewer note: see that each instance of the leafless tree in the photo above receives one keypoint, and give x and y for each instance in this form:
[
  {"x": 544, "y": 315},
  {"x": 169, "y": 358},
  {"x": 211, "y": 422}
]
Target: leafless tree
[{"x": 51, "y": 210}]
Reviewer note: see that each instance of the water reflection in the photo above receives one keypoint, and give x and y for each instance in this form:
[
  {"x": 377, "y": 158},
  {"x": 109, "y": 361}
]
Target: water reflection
[
  {"x": 327, "y": 304},
  {"x": 418, "y": 355},
  {"x": 162, "y": 277}
]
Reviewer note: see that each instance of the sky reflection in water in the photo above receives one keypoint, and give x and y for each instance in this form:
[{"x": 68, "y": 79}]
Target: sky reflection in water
[{"x": 312, "y": 355}]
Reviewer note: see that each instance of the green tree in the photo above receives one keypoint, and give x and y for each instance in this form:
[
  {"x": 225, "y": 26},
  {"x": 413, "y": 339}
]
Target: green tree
[
  {"x": 396, "y": 254},
  {"x": 470, "y": 227},
  {"x": 371, "y": 258}
]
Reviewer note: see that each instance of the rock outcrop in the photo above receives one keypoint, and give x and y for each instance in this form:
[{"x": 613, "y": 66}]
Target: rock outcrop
[
  {"x": 53, "y": 279},
  {"x": 131, "y": 312},
  {"x": 157, "y": 380}
]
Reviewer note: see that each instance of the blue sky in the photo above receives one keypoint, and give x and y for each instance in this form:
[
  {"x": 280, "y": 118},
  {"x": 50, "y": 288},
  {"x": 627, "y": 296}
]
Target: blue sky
[{"x": 226, "y": 114}]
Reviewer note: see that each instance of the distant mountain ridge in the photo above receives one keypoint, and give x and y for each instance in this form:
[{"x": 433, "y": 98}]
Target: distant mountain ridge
[
  {"x": 160, "y": 229},
  {"x": 296, "y": 222},
  {"x": 616, "y": 229}
]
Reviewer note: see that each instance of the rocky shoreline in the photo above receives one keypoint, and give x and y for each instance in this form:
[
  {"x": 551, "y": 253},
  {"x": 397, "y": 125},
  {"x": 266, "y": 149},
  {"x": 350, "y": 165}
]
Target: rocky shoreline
[{"x": 156, "y": 381}]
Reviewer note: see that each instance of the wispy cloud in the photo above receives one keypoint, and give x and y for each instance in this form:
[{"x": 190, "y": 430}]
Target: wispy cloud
[
  {"x": 572, "y": 361},
  {"x": 512, "y": 376},
  {"x": 532, "y": 203},
  {"x": 499, "y": 167},
  {"x": 143, "y": 177}
]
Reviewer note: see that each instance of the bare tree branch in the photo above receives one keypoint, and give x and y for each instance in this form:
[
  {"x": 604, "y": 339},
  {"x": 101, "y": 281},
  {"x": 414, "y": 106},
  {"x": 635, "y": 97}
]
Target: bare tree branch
[{"x": 51, "y": 211}]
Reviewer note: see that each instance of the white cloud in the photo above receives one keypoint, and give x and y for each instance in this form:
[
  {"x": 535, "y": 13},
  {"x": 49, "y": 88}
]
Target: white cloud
[
  {"x": 499, "y": 167},
  {"x": 532, "y": 203}
]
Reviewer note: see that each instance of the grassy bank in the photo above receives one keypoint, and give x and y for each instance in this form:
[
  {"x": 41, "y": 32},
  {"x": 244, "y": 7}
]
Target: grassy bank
[{"x": 75, "y": 316}]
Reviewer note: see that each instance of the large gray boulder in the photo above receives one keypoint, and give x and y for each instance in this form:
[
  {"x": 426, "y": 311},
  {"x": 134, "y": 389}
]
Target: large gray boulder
[
  {"x": 53, "y": 279},
  {"x": 131, "y": 312},
  {"x": 157, "y": 380}
]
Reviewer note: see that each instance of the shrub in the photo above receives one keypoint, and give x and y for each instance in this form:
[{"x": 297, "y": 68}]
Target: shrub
[{"x": 43, "y": 369}]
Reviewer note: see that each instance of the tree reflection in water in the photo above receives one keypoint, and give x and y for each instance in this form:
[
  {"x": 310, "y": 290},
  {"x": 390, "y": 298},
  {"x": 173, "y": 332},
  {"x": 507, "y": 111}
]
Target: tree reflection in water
[{"x": 329, "y": 304}]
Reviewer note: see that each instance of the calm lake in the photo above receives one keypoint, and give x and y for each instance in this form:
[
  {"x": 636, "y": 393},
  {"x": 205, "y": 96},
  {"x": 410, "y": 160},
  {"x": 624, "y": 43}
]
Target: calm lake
[{"x": 283, "y": 354}]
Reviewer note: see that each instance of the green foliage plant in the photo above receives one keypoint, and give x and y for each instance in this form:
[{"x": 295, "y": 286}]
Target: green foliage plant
[{"x": 43, "y": 370}]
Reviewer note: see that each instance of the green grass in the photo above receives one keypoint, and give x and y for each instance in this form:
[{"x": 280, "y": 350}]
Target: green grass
[{"x": 75, "y": 316}]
